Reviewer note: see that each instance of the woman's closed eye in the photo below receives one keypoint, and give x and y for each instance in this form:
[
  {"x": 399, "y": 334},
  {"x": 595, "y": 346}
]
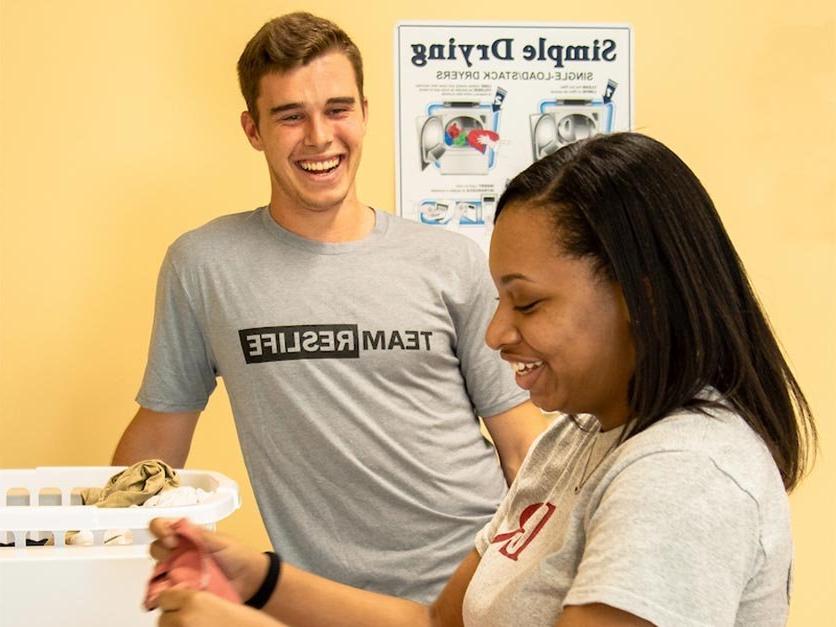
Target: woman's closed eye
[{"x": 527, "y": 306}]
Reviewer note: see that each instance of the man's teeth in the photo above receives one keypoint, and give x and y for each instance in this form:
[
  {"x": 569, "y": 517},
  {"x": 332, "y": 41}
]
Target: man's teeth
[
  {"x": 319, "y": 166},
  {"x": 521, "y": 368}
]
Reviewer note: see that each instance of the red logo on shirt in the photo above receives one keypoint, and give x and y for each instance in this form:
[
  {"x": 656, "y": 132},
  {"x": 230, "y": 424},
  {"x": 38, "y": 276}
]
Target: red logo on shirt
[{"x": 532, "y": 520}]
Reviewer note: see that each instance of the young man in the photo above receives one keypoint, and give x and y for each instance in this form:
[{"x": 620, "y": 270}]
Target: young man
[{"x": 351, "y": 343}]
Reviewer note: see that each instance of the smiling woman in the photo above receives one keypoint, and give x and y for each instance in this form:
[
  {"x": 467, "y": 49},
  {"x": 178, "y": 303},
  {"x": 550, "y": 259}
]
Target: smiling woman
[
  {"x": 563, "y": 326},
  {"x": 659, "y": 496},
  {"x": 623, "y": 303},
  {"x": 619, "y": 226}
]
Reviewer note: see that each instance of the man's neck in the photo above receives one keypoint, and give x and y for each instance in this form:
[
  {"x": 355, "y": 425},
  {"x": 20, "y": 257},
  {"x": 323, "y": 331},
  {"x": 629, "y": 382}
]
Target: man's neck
[{"x": 351, "y": 221}]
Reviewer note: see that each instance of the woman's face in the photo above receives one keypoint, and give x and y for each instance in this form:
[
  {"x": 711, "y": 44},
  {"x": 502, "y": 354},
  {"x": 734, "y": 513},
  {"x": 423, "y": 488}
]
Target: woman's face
[{"x": 563, "y": 327}]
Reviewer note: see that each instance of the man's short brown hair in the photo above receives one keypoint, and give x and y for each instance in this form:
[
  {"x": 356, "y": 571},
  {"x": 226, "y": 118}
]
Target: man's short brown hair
[{"x": 288, "y": 42}]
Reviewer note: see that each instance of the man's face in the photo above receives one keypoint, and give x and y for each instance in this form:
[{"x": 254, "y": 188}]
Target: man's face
[{"x": 311, "y": 126}]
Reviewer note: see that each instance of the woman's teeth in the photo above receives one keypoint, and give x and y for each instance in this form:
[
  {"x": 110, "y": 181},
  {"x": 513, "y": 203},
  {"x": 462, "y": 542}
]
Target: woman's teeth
[
  {"x": 521, "y": 368},
  {"x": 319, "y": 166}
]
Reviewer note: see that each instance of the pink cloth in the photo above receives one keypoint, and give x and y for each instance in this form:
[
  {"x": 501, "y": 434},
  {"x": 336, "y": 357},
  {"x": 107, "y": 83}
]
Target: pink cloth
[{"x": 189, "y": 566}]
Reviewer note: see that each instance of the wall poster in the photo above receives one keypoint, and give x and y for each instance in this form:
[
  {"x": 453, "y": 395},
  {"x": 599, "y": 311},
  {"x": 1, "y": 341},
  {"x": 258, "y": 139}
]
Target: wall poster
[{"x": 476, "y": 103}]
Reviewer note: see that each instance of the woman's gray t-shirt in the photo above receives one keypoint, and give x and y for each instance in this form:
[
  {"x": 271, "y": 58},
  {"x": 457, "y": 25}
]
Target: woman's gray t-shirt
[{"x": 684, "y": 524}]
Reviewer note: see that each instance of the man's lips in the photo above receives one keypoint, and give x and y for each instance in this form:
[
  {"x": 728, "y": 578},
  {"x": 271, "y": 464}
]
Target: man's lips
[{"x": 320, "y": 165}]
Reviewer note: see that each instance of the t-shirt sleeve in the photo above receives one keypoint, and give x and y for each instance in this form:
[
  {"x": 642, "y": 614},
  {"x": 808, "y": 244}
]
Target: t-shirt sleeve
[
  {"x": 673, "y": 540},
  {"x": 489, "y": 530},
  {"x": 179, "y": 375},
  {"x": 490, "y": 382}
]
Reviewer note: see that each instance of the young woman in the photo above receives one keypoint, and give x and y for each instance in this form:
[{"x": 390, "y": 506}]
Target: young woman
[{"x": 660, "y": 496}]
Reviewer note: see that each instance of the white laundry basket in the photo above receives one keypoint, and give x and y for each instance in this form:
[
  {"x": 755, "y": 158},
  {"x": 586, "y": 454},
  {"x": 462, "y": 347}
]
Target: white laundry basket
[{"x": 102, "y": 585}]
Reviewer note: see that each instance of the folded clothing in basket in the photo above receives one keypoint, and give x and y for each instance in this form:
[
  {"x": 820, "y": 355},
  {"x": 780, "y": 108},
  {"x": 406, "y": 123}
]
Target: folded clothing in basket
[
  {"x": 149, "y": 483},
  {"x": 133, "y": 486},
  {"x": 189, "y": 566},
  {"x": 178, "y": 497}
]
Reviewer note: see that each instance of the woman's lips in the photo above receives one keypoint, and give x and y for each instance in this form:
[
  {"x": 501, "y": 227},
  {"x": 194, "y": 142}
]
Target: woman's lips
[{"x": 527, "y": 373}]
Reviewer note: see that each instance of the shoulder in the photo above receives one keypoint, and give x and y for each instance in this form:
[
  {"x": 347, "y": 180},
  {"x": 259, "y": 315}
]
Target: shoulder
[
  {"x": 717, "y": 436},
  {"x": 563, "y": 435},
  {"x": 435, "y": 241},
  {"x": 215, "y": 237},
  {"x": 712, "y": 458},
  {"x": 454, "y": 263}
]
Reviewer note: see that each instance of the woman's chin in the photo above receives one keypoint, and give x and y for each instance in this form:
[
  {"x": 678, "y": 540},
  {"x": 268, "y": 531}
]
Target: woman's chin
[{"x": 545, "y": 402}]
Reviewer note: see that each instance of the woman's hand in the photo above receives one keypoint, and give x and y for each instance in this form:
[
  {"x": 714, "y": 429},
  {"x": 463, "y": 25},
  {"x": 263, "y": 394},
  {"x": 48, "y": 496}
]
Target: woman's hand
[
  {"x": 245, "y": 568},
  {"x": 182, "y": 607}
]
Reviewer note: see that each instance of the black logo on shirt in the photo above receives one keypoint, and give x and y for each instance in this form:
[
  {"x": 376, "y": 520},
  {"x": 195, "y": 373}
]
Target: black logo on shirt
[{"x": 324, "y": 341}]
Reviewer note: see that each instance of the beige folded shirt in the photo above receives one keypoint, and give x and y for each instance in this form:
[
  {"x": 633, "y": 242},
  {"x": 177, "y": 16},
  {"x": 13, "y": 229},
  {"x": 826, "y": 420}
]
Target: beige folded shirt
[{"x": 133, "y": 486}]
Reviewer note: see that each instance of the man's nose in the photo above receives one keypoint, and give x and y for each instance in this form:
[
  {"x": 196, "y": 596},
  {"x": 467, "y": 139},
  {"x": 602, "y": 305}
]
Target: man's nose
[{"x": 318, "y": 131}]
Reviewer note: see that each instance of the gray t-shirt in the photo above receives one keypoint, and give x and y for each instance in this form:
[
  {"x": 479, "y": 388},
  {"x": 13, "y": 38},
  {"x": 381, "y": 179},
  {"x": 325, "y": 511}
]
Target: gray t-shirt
[
  {"x": 684, "y": 524},
  {"x": 355, "y": 373}
]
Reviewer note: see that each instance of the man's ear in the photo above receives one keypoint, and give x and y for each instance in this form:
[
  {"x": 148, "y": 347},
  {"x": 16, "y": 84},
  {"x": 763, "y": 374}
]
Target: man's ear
[{"x": 251, "y": 130}]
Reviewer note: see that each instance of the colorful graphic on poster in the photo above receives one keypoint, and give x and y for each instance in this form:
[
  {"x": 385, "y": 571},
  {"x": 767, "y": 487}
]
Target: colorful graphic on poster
[{"x": 476, "y": 103}]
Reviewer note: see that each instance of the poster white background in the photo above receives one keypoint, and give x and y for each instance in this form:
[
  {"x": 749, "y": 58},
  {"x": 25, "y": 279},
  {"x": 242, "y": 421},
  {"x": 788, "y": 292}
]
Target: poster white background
[{"x": 476, "y": 103}]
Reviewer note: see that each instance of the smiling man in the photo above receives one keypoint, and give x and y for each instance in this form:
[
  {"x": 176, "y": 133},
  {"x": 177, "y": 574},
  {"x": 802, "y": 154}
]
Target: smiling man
[{"x": 351, "y": 343}]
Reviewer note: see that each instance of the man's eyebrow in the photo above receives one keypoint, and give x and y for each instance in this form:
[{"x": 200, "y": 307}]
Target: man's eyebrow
[
  {"x": 285, "y": 107},
  {"x": 291, "y": 106},
  {"x": 346, "y": 100}
]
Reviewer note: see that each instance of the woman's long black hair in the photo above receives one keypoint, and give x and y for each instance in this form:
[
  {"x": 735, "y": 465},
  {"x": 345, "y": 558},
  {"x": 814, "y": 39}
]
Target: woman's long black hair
[{"x": 630, "y": 204}]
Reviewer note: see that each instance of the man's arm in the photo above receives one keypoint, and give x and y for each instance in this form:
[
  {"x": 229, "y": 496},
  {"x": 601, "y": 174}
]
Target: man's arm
[
  {"x": 598, "y": 615},
  {"x": 513, "y": 432},
  {"x": 157, "y": 435}
]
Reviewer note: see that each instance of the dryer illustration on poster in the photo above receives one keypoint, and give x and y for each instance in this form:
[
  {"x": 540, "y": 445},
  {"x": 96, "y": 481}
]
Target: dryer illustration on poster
[
  {"x": 477, "y": 102},
  {"x": 459, "y": 137},
  {"x": 561, "y": 122},
  {"x": 454, "y": 213}
]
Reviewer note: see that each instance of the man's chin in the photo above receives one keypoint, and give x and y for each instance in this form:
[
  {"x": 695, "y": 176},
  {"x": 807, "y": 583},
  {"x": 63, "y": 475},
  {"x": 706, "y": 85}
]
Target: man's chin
[
  {"x": 323, "y": 206},
  {"x": 321, "y": 203}
]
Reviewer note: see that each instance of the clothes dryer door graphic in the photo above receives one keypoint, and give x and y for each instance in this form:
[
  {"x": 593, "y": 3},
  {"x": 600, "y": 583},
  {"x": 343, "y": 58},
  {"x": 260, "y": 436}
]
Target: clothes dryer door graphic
[
  {"x": 563, "y": 122},
  {"x": 446, "y": 142},
  {"x": 432, "y": 141}
]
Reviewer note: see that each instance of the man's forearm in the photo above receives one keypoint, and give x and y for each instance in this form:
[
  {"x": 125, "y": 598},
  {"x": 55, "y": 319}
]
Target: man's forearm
[{"x": 156, "y": 435}]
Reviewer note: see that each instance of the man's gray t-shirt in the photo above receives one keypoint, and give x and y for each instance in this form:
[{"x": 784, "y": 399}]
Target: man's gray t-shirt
[
  {"x": 355, "y": 372},
  {"x": 685, "y": 524}
]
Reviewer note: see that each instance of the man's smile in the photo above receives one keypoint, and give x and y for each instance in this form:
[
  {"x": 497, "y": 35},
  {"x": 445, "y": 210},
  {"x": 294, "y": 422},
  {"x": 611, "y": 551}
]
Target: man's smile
[{"x": 326, "y": 165}]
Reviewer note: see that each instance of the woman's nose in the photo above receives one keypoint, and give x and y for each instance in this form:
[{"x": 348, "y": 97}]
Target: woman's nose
[{"x": 501, "y": 332}]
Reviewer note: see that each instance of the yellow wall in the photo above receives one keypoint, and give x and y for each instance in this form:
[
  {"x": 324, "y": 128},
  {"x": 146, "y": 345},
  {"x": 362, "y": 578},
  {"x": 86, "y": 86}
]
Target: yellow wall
[{"x": 119, "y": 130}]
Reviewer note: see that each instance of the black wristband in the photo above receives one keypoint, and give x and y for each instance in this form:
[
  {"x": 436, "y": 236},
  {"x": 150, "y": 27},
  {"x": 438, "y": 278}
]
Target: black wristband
[{"x": 265, "y": 591}]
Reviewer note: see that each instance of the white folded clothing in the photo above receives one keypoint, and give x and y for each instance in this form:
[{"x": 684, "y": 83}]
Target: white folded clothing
[
  {"x": 175, "y": 497},
  {"x": 111, "y": 536}
]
